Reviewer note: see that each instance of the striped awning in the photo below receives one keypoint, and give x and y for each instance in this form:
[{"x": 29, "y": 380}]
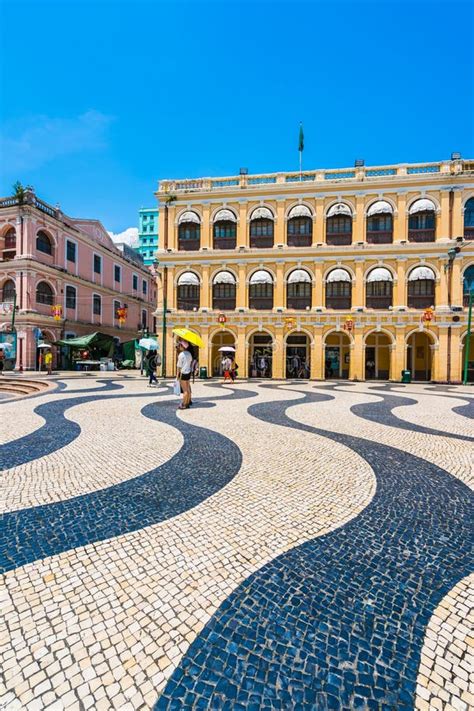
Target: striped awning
[
  {"x": 298, "y": 276},
  {"x": 339, "y": 209},
  {"x": 380, "y": 274},
  {"x": 261, "y": 277},
  {"x": 380, "y": 207},
  {"x": 226, "y": 215},
  {"x": 189, "y": 216},
  {"x": 262, "y": 213},
  {"x": 338, "y": 275},
  {"x": 188, "y": 278},
  {"x": 299, "y": 211},
  {"x": 422, "y": 205},
  {"x": 421, "y": 273},
  {"x": 224, "y": 278}
]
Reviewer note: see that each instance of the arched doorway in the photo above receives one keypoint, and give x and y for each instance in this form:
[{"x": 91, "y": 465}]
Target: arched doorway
[
  {"x": 337, "y": 356},
  {"x": 377, "y": 356},
  {"x": 220, "y": 340},
  {"x": 260, "y": 355},
  {"x": 470, "y": 363},
  {"x": 419, "y": 356},
  {"x": 298, "y": 363}
]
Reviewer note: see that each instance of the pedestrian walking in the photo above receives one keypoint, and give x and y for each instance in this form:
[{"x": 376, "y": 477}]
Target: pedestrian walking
[
  {"x": 150, "y": 368},
  {"x": 48, "y": 361},
  {"x": 226, "y": 368},
  {"x": 184, "y": 372}
]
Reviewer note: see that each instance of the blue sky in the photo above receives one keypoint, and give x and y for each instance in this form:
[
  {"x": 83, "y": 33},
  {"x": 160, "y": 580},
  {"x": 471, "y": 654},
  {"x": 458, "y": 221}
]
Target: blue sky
[{"x": 100, "y": 99}]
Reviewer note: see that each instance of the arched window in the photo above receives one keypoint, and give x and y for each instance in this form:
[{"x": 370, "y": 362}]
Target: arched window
[
  {"x": 43, "y": 243},
  {"x": 421, "y": 288},
  {"x": 380, "y": 223},
  {"x": 225, "y": 230},
  {"x": 298, "y": 290},
  {"x": 224, "y": 289},
  {"x": 339, "y": 225},
  {"x": 44, "y": 294},
  {"x": 9, "y": 245},
  {"x": 97, "y": 305},
  {"x": 188, "y": 292},
  {"x": 261, "y": 290},
  {"x": 468, "y": 285},
  {"x": 379, "y": 290},
  {"x": 189, "y": 231},
  {"x": 300, "y": 227},
  {"x": 469, "y": 219},
  {"x": 8, "y": 291},
  {"x": 338, "y": 289},
  {"x": 422, "y": 221},
  {"x": 261, "y": 228}
]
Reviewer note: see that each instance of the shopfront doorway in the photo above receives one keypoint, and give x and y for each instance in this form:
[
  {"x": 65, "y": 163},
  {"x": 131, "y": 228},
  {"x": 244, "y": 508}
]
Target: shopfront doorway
[
  {"x": 220, "y": 340},
  {"x": 260, "y": 355},
  {"x": 419, "y": 356},
  {"x": 337, "y": 356},
  {"x": 377, "y": 357},
  {"x": 298, "y": 356}
]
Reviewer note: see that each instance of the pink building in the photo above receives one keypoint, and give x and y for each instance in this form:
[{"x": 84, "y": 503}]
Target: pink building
[{"x": 49, "y": 260}]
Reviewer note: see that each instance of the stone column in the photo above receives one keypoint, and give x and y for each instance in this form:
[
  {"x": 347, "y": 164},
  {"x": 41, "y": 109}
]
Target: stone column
[
  {"x": 358, "y": 296},
  {"x": 439, "y": 358},
  {"x": 318, "y": 292},
  {"x": 319, "y": 232},
  {"x": 206, "y": 239},
  {"x": 171, "y": 295},
  {"x": 400, "y": 291},
  {"x": 441, "y": 287},
  {"x": 456, "y": 346},
  {"x": 400, "y": 224},
  {"x": 242, "y": 287},
  {"x": 205, "y": 353},
  {"x": 279, "y": 300},
  {"x": 278, "y": 369},
  {"x": 398, "y": 354},
  {"x": 280, "y": 225},
  {"x": 356, "y": 367},
  {"x": 458, "y": 217},
  {"x": 358, "y": 230},
  {"x": 317, "y": 355},
  {"x": 456, "y": 284},
  {"x": 241, "y": 352},
  {"x": 242, "y": 226},
  {"x": 172, "y": 229},
  {"x": 205, "y": 288}
]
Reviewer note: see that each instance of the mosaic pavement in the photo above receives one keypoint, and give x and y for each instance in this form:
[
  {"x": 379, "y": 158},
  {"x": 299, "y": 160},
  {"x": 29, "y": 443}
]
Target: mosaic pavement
[{"x": 277, "y": 546}]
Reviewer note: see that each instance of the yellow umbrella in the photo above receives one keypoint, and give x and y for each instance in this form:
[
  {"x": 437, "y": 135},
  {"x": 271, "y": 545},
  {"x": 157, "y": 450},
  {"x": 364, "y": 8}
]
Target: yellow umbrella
[{"x": 189, "y": 336}]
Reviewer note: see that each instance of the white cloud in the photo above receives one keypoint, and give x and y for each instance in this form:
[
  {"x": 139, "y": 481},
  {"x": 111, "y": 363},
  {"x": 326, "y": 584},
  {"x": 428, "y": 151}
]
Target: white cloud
[
  {"x": 37, "y": 140},
  {"x": 129, "y": 236}
]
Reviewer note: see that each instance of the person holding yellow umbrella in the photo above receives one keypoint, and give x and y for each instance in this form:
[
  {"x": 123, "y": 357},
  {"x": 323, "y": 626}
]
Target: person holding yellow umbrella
[{"x": 186, "y": 362}]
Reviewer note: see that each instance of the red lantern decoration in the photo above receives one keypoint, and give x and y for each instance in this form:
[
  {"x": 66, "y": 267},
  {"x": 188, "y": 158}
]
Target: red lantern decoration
[
  {"x": 121, "y": 314},
  {"x": 222, "y": 318},
  {"x": 57, "y": 312}
]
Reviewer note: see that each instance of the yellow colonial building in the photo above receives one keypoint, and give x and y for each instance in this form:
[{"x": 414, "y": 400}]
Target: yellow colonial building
[{"x": 355, "y": 273}]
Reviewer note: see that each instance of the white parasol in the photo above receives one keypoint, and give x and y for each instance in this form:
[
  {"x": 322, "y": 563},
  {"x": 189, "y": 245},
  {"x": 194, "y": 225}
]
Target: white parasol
[
  {"x": 44, "y": 345},
  {"x": 227, "y": 349}
]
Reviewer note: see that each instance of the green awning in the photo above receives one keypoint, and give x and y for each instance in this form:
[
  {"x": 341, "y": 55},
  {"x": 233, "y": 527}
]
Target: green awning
[{"x": 100, "y": 340}]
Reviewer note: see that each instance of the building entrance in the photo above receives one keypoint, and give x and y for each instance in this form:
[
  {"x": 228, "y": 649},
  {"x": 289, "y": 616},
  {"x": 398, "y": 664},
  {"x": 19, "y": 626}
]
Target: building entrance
[
  {"x": 377, "y": 357},
  {"x": 219, "y": 340},
  {"x": 470, "y": 364},
  {"x": 337, "y": 356},
  {"x": 297, "y": 356},
  {"x": 260, "y": 356},
  {"x": 419, "y": 356}
]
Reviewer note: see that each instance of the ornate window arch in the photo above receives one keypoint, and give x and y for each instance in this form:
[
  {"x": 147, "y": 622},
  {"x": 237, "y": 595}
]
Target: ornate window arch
[
  {"x": 44, "y": 293},
  {"x": 380, "y": 222},
  {"x": 421, "y": 287},
  {"x": 189, "y": 231},
  {"x": 299, "y": 290},
  {"x": 379, "y": 288},
  {"x": 224, "y": 290},
  {"x": 422, "y": 220},
  {"x": 469, "y": 218},
  {"x": 262, "y": 227},
  {"x": 339, "y": 219},
  {"x": 44, "y": 242},
  {"x": 224, "y": 229},
  {"x": 299, "y": 226},
  {"x": 338, "y": 289},
  {"x": 188, "y": 291}
]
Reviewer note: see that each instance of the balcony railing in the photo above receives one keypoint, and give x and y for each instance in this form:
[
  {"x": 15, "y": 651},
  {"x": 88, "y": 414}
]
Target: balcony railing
[
  {"x": 261, "y": 242},
  {"x": 378, "y": 302},
  {"x": 420, "y": 302},
  {"x": 421, "y": 235},
  {"x": 261, "y": 303},
  {"x": 338, "y": 239},
  {"x": 189, "y": 245},
  {"x": 469, "y": 233},
  {"x": 338, "y": 302},
  {"x": 298, "y": 303},
  {"x": 225, "y": 242},
  {"x": 294, "y": 179},
  {"x": 380, "y": 237},
  {"x": 188, "y": 304},
  {"x": 219, "y": 304},
  {"x": 299, "y": 240}
]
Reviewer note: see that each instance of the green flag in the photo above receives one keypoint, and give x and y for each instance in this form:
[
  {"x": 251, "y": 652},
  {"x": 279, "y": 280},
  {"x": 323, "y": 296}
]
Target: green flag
[{"x": 301, "y": 139}]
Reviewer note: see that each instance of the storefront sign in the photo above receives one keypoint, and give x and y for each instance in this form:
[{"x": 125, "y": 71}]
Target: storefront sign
[{"x": 6, "y": 308}]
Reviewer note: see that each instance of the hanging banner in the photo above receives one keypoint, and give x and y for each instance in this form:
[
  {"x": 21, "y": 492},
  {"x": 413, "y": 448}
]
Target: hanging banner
[
  {"x": 121, "y": 314},
  {"x": 57, "y": 312},
  {"x": 6, "y": 308}
]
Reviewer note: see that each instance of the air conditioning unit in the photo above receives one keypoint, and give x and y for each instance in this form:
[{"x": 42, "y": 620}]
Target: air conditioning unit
[
  {"x": 280, "y": 246},
  {"x": 359, "y": 309},
  {"x": 204, "y": 249},
  {"x": 204, "y": 310},
  {"x": 279, "y": 310},
  {"x": 319, "y": 244},
  {"x": 241, "y": 311},
  {"x": 319, "y": 310},
  {"x": 403, "y": 241},
  {"x": 360, "y": 244}
]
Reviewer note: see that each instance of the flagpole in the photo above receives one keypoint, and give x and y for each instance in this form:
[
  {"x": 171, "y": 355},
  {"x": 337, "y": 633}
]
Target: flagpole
[{"x": 301, "y": 165}]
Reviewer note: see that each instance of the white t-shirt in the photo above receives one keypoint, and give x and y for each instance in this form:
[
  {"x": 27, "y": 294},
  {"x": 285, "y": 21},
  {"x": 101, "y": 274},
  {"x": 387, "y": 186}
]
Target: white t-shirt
[{"x": 184, "y": 362}]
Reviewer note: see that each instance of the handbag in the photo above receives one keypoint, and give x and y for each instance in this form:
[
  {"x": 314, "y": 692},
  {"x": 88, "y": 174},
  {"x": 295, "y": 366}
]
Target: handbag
[{"x": 177, "y": 388}]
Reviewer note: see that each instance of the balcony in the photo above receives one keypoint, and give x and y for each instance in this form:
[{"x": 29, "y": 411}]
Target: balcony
[
  {"x": 223, "y": 304},
  {"x": 261, "y": 242},
  {"x": 189, "y": 245},
  {"x": 261, "y": 303},
  {"x": 469, "y": 233},
  {"x": 380, "y": 237},
  {"x": 421, "y": 235},
  {"x": 298, "y": 303},
  {"x": 187, "y": 304},
  {"x": 420, "y": 302},
  {"x": 339, "y": 239},
  {"x": 299, "y": 240},
  {"x": 378, "y": 302},
  {"x": 340, "y": 303},
  {"x": 225, "y": 242}
]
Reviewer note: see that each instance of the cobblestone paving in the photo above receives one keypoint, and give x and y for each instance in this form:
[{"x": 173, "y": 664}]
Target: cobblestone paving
[{"x": 239, "y": 555}]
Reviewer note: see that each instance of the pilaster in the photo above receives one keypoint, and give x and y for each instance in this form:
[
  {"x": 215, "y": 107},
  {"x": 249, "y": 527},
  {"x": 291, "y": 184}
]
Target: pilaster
[
  {"x": 205, "y": 288},
  {"x": 400, "y": 290},
  {"x": 358, "y": 298},
  {"x": 319, "y": 233},
  {"x": 206, "y": 238},
  {"x": 358, "y": 232},
  {"x": 242, "y": 287},
  {"x": 278, "y": 366},
  {"x": 356, "y": 367},
  {"x": 242, "y": 226},
  {"x": 279, "y": 300},
  {"x": 317, "y": 354},
  {"x": 400, "y": 225},
  {"x": 442, "y": 219},
  {"x": 241, "y": 355},
  {"x": 280, "y": 225},
  {"x": 318, "y": 293}
]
